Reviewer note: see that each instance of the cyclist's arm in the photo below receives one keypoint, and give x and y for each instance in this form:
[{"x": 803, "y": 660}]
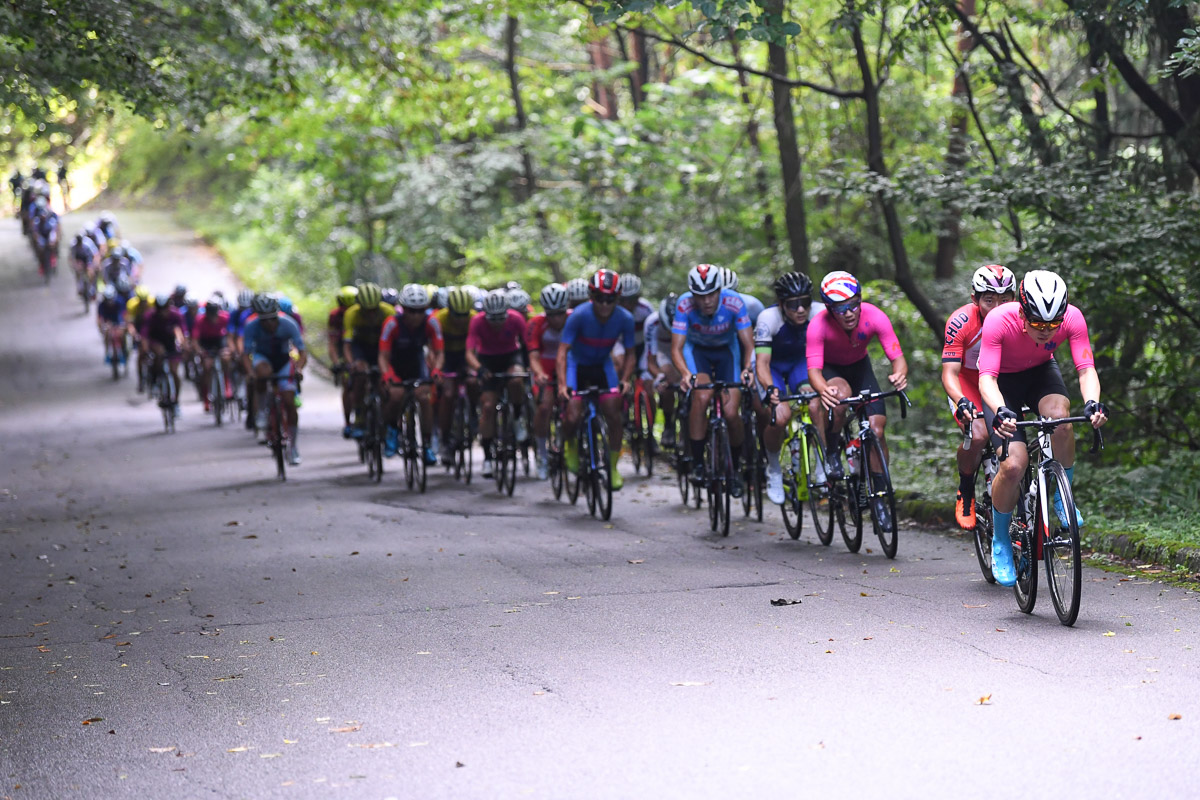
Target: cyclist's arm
[
  {"x": 1089, "y": 384},
  {"x": 560, "y": 368},
  {"x": 989, "y": 391},
  {"x": 899, "y": 374},
  {"x": 535, "y": 365},
  {"x": 746, "y": 340},
  {"x": 677, "y": 342},
  {"x": 473, "y": 359},
  {"x": 762, "y": 368}
]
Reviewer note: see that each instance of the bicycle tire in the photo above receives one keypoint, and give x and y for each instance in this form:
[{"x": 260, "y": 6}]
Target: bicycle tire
[
  {"x": 408, "y": 441},
  {"x": 850, "y": 517},
  {"x": 419, "y": 445},
  {"x": 276, "y": 435},
  {"x": 820, "y": 501},
  {"x": 571, "y": 482},
  {"x": 888, "y": 537},
  {"x": 682, "y": 469},
  {"x": 792, "y": 509},
  {"x": 643, "y": 444},
  {"x": 720, "y": 478},
  {"x": 216, "y": 395},
  {"x": 1025, "y": 561},
  {"x": 374, "y": 436},
  {"x": 114, "y": 360},
  {"x": 602, "y": 471},
  {"x": 749, "y": 454},
  {"x": 585, "y": 467},
  {"x": 983, "y": 535},
  {"x": 1061, "y": 552},
  {"x": 500, "y": 463},
  {"x": 554, "y": 459}
]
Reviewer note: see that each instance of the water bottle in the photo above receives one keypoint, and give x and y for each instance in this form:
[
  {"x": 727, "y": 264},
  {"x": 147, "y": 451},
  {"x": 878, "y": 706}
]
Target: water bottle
[{"x": 852, "y": 454}]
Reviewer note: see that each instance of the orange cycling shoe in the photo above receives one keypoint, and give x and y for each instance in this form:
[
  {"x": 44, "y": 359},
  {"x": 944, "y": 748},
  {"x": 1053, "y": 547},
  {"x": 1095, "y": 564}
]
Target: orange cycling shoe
[{"x": 964, "y": 512}]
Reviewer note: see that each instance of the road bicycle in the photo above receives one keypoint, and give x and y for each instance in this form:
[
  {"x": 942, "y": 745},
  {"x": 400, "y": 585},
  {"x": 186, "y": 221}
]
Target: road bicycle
[
  {"x": 639, "y": 428},
  {"x": 556, "y": 470},
  {"x": 681, "y": 457},
  {"x": 754, "y": 461},
  {"x": 870, "y": 479},
  {"x": 412, "y": 437},
  {"x": 595, "y": 465},
  {"x": 370, "y": 446},
  {"x": 463, "y": 426},
  {"x": 802, "y": 459},
  {"x": 164, "y": 389},
  {"x": 280, "y": 436},
  {"x": 1034, "y": 532},
  {"x": 718, "y": 457},
  {"x": 505, "y": 446},
  {"x": 116, "y": 348},
  {"x": 220, "y": 393},
  {"x": 982, "y": 533}
]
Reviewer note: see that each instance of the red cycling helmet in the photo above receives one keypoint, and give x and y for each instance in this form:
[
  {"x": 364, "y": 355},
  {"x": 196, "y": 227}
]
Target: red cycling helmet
[{"x": 605, "y": 282}]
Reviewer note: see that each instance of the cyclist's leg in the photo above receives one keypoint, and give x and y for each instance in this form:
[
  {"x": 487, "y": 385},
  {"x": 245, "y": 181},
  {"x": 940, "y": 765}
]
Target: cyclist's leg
[
  {"x": 667, "y": 402},
  {"x": 1049, "y": 397},
  {"x": 1006, "y": 485}
]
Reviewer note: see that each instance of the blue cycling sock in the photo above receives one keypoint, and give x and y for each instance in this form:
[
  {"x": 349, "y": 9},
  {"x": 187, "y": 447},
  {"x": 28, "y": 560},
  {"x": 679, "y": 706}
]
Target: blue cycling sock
[
  {"x": 1070, "y": 474},
  {"x": 1000, "y": 523}
]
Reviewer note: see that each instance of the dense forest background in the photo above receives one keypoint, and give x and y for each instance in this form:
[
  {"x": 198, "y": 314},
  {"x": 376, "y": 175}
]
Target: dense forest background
[{"x": 907, "y": 142}]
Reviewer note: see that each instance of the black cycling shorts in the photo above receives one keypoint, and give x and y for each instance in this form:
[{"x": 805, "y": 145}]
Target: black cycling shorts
[
  {"x": 860, "y": 376},
  {"x": 1026, "y": 388}
]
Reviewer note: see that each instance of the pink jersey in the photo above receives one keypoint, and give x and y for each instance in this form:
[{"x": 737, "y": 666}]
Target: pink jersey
[
  {"x": 487, "y": 339},
  {"x": 828, "y": 341},
  {"x": 1007, "y": 348},
  {"x": 209, "y": 332}
]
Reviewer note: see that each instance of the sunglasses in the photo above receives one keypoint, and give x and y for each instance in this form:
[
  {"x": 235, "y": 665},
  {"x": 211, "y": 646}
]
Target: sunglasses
[
  {"x": 562, "y": 313},
  {"x": 604, "y": 300},
  {"x": 414, "y": 311},
  {"x": 845, "y": 308},
  {"x": 1052, "y": 325},
  {"x": 797, "y": 303}
]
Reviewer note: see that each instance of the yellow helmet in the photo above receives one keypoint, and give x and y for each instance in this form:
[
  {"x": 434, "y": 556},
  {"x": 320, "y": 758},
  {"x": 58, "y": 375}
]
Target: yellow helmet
[
  {"x": 142, "y": 292},
  {"x": 347, "y": 296},
  {"x": 460, "y": 301},
  {"x": 369, "y": 296}
]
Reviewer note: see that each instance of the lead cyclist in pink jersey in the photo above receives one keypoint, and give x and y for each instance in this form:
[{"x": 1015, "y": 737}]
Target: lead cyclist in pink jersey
[
  {"x": 1016, "y": 368},
  {"x": 838, "y": 364}
]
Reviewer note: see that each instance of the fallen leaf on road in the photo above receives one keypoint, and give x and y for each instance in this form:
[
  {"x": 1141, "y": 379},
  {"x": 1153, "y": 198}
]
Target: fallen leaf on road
[
  {"x": 347, "y": 729},
  {"x": 538, "y": 694},
  {"x": 40, "y": 624},
  {"x": 549, "y": 592},
  {"x": 691, "y": 683},
  {"x": 459, "y": 764},
  {"x": 162, "y": 749},
  {"x": 783, "y": 602},
  {"x": 986, "y": 700},
  {"x": 1175, "y": 716},
  {"x": 228, "y": 678},
  {"x": 290, "y": 741},
  {"x": 608, "y": 527},
  {"x": 123, "y": 644},
  {"x": 93, "y": 719},
  {"x": 1001, "y": 630},
  {"x": 1109, "y": 633},
  {"x": 893, "y": 569},
  {"x": 864, "y": 594},
  {"x": 110, "y": 636},
  {"x": 637, "y": 561},
  {"x": 371, "y": 746},
  {"x": 576, "y": 597},
  {"x": 250, "y": 536},
  {"x": 237, "y": 749},
  {"x": 270, "y": 755},
  {"x": 232, "y": 524},
  {"x": 981, "y": 605}
]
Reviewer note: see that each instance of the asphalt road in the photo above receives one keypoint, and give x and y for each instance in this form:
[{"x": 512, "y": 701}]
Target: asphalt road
[{"x": 175, "y": 623}]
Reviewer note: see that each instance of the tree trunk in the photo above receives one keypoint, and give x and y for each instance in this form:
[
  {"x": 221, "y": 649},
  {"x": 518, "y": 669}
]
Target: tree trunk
[
  {"x": 1100, "y": 116},
  {"x": 510, "y": 66},
  {"x": 636, "y": 91},
  {"x": 760, "y": 169},
  {"x": 789, "y": 152},
  {"x": 603, "y": 94},
  {"x": 949, "y": 233},
  {"x": 876, "y": 164}
]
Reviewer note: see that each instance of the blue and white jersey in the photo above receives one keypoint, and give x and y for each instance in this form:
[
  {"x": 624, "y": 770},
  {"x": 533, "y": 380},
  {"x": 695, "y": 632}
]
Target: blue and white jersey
[
  {"x": 754, "y": 307},
  {"x": 719, "y": 330},
  {"x": 274, "y": 346}
]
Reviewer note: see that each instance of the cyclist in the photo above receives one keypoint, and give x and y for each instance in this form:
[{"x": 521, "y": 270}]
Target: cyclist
[
  {"x": 286, "y": 307},
  {"x": 543, "y": 340},
  {"x": 346, "y": 297},
  {"x": 991, "y": 286},
  {"x": 577, "y": 292},
  {"x": 781, "y": 368},
  {"x": 455, "y": 322},
  {"x": 110, "y": 311},
  {"x": 495, "y": 341},
  {"x": 585, "y": 359},
  {"x": 363, "y": 325},
  {"x": 163, "y": 336},
  {"x": 84, "y": 256},
  {"x": 519, "y": 301},
  {"x": 179, "y": 296},
  {"x": 658, "y": 363},
  {"x": 136, "y": 308},
  {"x": 210, "y": 337},
  {"x": 632, "y": 301},
  {"x": 1017, "y": 367},
  {"x": 709, "y": 337},
  {"x": 402, "y": 357},
  {"x": 754, "y": 306},
  {"x": 839, "y": 366},
  {"x": 46, "y": 234},
  {"x": 268, "y": 340}
]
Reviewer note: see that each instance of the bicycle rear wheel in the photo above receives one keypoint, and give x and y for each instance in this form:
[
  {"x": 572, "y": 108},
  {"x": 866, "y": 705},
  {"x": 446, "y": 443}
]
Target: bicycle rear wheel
[
  {"x": 792, "y": 508},
  {"x": 554, "y": 462},
  {"x": 820, "y": 502},
  {"x": 374, "y": 437},
  {"x": 216, "y": 395},
  {"x": 1060, "y": 548},
  {"x": 643, "y": 443},
  {"x": 888, "y": 533},
  {"x": 275, "y": 432},
  {"x": 419, "y": 443},
  {"x": 503, "y": 450},
  {"x": 720, "y": 477},
  {"x": 848, "y": 495},
  {"x": 749, "y": 466},
  {"x": 408, "y": 441},
  {"x": 1025, "y": 560}
]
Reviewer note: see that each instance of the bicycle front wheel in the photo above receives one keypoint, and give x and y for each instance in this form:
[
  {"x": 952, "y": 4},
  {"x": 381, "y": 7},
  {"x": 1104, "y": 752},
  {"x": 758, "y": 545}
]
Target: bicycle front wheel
[
  {"x": 644, "y": 443},
  {"x": 791, "y": 508},
  {"x": 278, "y": 445},
  {"x": 554, "y": 465},
  {"x": 848, "y": 495},
  {"x": 983, "y": 535},
  {"x": 882, "y": 500},
  {"x": 408, "y": 442},
  {"x": 601, "y": 469},
  {"x": 820, "y": 492},
  {"x": 1060, "y": 547},
  {"x": 720, "y": 479}
]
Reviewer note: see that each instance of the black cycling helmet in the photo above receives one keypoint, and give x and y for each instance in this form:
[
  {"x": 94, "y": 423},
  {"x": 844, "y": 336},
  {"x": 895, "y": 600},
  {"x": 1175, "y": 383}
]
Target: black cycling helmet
[
  {"x": 265, "y": 306},
  {"x": 793, "y": 284}
]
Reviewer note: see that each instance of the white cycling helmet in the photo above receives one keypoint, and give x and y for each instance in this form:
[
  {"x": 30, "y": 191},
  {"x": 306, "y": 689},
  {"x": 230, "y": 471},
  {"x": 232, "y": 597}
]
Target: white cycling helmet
[
  {"x": 577, "y": 290},
  {"x": 729, "y": 279},
  {"x": 1043, "y": 296},
  {"x": 994, "y": 278},
  {"x": 441, "y": 296},
  {"x": 838, "y": 287},
  {"x": 414, "y": 295},
  {"x": 495, "y": 304},
  {"x": 518, "y": 299},
  {"x": 705, "y": 279},
  {"x": 629, "y": 285},
  {"x": 554, "y": 297}
]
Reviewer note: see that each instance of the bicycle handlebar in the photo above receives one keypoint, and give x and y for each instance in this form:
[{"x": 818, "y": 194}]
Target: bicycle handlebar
[
  {"x": 867, "y": 396},
  {"x": 718, "y": 385},
  {"x": 803, "y": 397},
  {"x": 1049, "y": 425}
]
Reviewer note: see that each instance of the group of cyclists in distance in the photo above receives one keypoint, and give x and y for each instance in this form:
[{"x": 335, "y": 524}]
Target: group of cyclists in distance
[{"x": 600, "y": 333}]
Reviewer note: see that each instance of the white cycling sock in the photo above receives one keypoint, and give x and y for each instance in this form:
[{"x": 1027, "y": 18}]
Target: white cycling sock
[{"x": 772, "y": 460}]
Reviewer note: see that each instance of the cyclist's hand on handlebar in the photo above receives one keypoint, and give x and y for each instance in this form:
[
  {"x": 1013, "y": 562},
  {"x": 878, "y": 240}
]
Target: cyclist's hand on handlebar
[
  {"x": 1005, "y": 423},
  {"x": 660, "y": 382},
  {"x": 564, "y": 392},
  {"x": 1096, "y": 411},
  {"x": 829, "y": 397},
  {"x": 748, "y": 376},
  {"x": 899, "y": 380},
  {"x": 964, "y": 412},
  {"x": 689, "y": 381},
  {"x": 625, "y": 387},
  {"x": 773, "y": 394}
]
